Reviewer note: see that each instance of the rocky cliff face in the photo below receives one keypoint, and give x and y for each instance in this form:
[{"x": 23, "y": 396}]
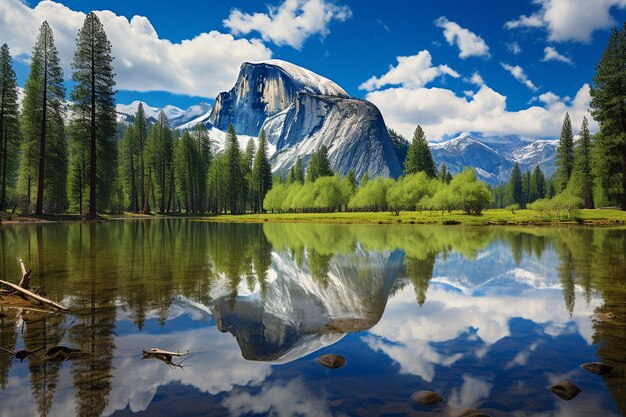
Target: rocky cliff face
[{"x": 300, "y": 111}]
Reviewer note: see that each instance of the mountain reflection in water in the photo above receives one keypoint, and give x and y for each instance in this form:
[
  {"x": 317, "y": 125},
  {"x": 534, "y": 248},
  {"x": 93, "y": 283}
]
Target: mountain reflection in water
[{"x": 488, "y": 317}]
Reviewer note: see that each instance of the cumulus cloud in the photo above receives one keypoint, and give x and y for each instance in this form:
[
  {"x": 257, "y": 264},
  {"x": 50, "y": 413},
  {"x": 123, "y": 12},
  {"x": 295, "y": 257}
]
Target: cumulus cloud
[
  {"x": 477, "y": 79},
  {"x": 291, "y": 23},
  {"x": 443, "y": 114},
  {"x": 514, "y": 48},
  {"x": 202, "y": 66},
  {"x": 569, "y": 20},
  {"x": 551, "y": 54},
  {"x": 518, "y": 73},
  {"x": 468, "y": 42},
  {"x": 411, "y": 71}
]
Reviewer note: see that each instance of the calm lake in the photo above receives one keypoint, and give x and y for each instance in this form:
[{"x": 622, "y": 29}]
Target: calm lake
[{"x": 487, "y": 317}]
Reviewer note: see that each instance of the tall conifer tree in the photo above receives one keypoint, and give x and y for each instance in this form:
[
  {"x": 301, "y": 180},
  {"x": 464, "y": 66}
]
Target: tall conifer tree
[
  {"x": 261, "y": 173},
  {"x": 9, "y": 124},
  {"x": 565, "y": 155},
  {"x": 93, "y": 98},
  {"x": 43, "y": 126}
]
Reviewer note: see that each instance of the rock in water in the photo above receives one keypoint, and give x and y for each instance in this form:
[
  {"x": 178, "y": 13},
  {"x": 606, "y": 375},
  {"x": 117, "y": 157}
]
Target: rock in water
[
  {"x": 565, "y": 390},
  {"x": 598, "y": 368},
  {"x": 426, "y": 397},
  {"x": 472, "y": 412},
  {"x": 331, "y": 361}
]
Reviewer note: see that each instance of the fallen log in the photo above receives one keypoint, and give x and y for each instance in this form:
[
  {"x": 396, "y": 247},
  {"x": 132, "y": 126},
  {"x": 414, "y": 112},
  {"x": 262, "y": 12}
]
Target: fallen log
[
  {"x": 166, "y": 356},
  {"x": 157, "y": 351},
  {"x": 34, "y": 296}
]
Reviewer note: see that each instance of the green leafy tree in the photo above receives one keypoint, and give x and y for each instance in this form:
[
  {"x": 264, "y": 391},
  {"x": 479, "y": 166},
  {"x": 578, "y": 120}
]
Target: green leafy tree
[
  {"x": 93, "y": 98},
  {"x": 582, "y": 177},
  {"x": 565, "y": 155},
  {"x": 43, "y": 127},
  {"x": 516, "y": 187},
  {"x": 351, "y": 176},
  {"x": 261, "y": 174},
  {"x": 473, "y": 195},
  {"x": 608, "y": 108},
  {"x": 419, "y": 157},
  {"x": 372, "y": 195},
  {"x": 9, "y": 125}
]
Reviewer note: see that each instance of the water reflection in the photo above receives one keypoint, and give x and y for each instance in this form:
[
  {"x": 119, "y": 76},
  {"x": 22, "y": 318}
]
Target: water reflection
[{"x": 486, "y": 316}]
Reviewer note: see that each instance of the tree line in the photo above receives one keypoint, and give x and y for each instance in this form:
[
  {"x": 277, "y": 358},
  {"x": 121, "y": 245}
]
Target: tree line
[
  {"x": 58, "y": 158},
  {"x": 422, "y": 187}
]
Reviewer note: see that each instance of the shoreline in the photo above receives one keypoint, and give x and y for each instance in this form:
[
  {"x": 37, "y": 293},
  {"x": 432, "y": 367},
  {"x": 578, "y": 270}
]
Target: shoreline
[{"x": 491, "y": 217}]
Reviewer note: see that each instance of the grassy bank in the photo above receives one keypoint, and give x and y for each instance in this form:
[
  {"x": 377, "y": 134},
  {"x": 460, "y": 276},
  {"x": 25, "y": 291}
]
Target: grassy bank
[{"x": 489, "y": 217}]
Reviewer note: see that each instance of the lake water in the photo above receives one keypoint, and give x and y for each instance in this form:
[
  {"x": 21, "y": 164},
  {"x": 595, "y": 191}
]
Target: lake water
[{"x": 487, "y": 317}]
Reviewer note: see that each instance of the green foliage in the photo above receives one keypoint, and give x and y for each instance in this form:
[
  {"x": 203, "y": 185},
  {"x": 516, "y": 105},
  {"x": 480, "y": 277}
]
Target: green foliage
[
  {"x": 261, "y": 181},
  {"x": 159, "y": 164},
  {"x": 516, "y": 185},
  {"x": 582, "y": 176},
  {"x": 234, "y": 181},
  {"x": 93, "y": 105},
  {"x": 9, "y": 128},
  {"x": 513, "y": 207},
  {"x": 565, "y": 155},
  {"x": 407, "y": 191},
  {"x": 418, "y": 157},
  {"x": 608, "y": 108},
  {"x": 296, "y": 173},
  {"x": 372, "y": 196},
  {"x": 473, "y": 195},
  {"x": 538, "y": 184},
  {"x": 319, "y": 166},
  {"x": 444, "y": 174},
  {"x": 44, "y": 150},
  {"x": 323, "y": 195}
]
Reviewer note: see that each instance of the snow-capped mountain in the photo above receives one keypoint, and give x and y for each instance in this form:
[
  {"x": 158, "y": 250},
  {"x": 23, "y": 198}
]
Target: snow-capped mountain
[
  {"x": 176, "y": 116},
  {"x": 300, "y": 111},
  {"x": 493, "y": 158}
]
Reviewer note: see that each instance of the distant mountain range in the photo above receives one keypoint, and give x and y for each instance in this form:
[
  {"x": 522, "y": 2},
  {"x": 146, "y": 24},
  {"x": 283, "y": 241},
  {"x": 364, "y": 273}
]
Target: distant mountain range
[{"x": 300, "y": 111}]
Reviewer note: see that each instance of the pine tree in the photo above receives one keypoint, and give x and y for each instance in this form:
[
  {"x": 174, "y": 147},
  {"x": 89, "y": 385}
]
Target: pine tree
[
  {"x": 538, "y": 184},
  {"x": 233, "y": 171},
  {"x": 261, "y": 173},
  {"x": 319, "y": 165},
  {"x": 129, "y": 153},
  {"x": 608, "y": 108},
  {"x": 43, "y": 127},
  {"x": 351, "y": 177},
  {"x": 141, "y": 131},
  {"x": 582, "y": 175},
  {"x": 419, "y": 157},
  {"x": 444, "y": 175},
  {"x": 565, "y": 155},
  {"x": 516, "y": 186},
  {"x": 94, "y": 108},
  {"x": 298, "y": 171},
  {"x": 159, "y": 159},
  {"x": 526, "y": 188},
  {"x": 246, "y": 171},
  {"x": 9, "y": 125}
]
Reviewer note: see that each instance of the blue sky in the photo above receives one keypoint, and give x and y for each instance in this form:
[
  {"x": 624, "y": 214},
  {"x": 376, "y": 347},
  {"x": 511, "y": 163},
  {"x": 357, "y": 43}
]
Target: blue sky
[{"x": 494, "y": 76}]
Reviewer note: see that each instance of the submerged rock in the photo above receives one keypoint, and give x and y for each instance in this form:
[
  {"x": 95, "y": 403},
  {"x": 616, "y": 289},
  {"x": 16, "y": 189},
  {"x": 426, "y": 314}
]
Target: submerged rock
[
  {"x": 472, "y": 412},
  {"x": 565, "y": 390},
  {"x": 598, "y": 368},
  {"x": 426, "y": 397},
  {"x": 331, "y": 361}
]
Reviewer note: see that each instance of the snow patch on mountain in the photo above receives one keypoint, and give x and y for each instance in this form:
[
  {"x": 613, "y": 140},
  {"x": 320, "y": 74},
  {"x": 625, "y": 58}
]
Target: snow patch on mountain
[
  {"x": 176, "y": 116},
  {"x": 308, "y": 80}
]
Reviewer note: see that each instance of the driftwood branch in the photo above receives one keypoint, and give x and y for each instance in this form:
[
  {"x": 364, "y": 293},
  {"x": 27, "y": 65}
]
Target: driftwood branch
[
  {"x": 25, "y": 274},
  {"x": 34, "y": 296},
  {"x": 166, "y": 356}
]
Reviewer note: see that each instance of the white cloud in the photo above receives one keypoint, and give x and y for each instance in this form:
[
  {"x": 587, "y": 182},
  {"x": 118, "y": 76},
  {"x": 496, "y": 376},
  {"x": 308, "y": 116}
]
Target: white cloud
[
  {"x": 468, "y": 42},
  {"x": 411, "y": 71},
  {"x": 291, "y": 23},
  {"x": 532, "y": 21},
  {"x": 569, "y": 20},
  {"x": 477, "y": 79},
  {"x": 518, "y": 73},
  {"x": 514, "y": 48},
  {"x": 550, "y": 98},
  {"x": 551, "y": 54},
  {"x": 443, "y": 114},
  {"x": 202, "y": 66}
]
